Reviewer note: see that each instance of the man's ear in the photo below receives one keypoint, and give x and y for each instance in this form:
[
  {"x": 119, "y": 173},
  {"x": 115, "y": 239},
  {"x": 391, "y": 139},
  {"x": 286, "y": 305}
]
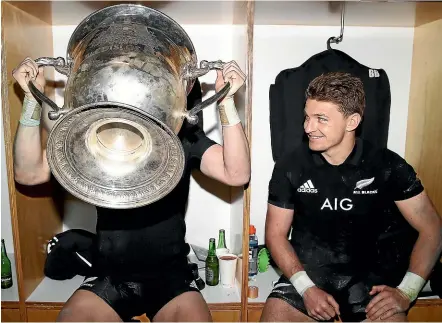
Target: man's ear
[{"x": 353, "y": 122}]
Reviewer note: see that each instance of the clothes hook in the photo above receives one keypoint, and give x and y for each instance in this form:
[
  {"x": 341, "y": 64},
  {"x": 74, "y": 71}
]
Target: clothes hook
[{"x": 337, "y": 40}]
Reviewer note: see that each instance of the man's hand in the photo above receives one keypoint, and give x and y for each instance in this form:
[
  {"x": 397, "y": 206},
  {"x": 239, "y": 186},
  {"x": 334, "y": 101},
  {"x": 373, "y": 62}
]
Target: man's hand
[
  {"x": 387, "y": 302},
  {"x": 320, "y": 305},
  {"x": 230, "y": 73},
  {"x": 26, "y": 71}
]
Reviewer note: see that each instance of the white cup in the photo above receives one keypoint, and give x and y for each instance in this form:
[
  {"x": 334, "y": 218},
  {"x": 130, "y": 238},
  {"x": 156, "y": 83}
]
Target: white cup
[
  {"x": 221, "y": 251},
  {"x": 227, "y": 269}
]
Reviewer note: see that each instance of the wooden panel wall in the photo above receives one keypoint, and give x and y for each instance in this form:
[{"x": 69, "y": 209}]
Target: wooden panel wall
[
  {"x": 35, "y": 215},
  {"x": 424, "y": 129},
  {"x": 248, "y": 132}
]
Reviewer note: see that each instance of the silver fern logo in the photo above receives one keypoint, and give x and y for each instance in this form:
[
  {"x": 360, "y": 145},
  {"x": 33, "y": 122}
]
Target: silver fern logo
[{"x": 364, "y": 183}]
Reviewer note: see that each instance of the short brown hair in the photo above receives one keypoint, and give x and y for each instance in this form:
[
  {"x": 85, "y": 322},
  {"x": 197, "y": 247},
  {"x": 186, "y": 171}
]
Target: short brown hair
[{"x": 342, "y": 89}]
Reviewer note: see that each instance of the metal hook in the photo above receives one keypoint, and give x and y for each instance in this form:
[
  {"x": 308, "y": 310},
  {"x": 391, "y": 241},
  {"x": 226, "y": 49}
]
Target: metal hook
[{"x": 337, "y": 40}]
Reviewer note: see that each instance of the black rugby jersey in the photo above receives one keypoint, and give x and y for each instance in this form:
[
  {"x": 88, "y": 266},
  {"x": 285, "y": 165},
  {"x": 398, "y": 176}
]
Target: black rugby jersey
[
  {"x": 339, "y": 211},
  {"x": 142, "y": 242}
]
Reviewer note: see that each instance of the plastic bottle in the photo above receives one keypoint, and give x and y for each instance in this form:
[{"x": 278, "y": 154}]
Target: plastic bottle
[{"x": 253, "y": 253}]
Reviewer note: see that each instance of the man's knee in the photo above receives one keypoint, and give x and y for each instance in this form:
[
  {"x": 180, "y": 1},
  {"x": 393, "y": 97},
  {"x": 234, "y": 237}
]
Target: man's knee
[
  {"x": 74, "y": 314},
  {"x": 85, "y": 306},
  {"x": 187, "y": 307},
  {"x": 278, "y": 310}
]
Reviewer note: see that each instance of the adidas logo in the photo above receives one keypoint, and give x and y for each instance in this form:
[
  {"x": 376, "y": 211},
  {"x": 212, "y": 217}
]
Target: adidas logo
[{"x": 307, "y": 187}]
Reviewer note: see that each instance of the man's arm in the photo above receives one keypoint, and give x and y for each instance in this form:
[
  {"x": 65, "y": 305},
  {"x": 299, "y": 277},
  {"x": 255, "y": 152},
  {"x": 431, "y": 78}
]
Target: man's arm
[
  {"x": 30, "y": 163},
  {"x": 278, "y": 223},
  {"x": 421, "y": 214},
  {"x": 409, "y": 195},
  {"x": 280, "y": 213},
  {"x": 229, "y": 163}
]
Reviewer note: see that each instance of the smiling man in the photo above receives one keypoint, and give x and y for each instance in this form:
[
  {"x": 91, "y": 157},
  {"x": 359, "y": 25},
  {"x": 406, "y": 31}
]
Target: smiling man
[{"x": 334, "y": 192}]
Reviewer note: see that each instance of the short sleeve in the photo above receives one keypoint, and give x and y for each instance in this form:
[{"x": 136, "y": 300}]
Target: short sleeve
[
  {"x": 198, "y": 143},
  {"x": 403, "y": 181},
  {"x": 280, "y": 187},
  {"x": 195, "y": 140}
]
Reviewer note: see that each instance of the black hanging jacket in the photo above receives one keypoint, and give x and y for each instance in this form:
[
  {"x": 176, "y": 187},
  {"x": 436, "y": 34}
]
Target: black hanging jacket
[{"x": 287, "y": 100}]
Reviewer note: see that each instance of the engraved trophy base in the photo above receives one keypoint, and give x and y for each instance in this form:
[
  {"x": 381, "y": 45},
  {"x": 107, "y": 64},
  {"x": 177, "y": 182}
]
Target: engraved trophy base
[{"x": 112, "y": 157}]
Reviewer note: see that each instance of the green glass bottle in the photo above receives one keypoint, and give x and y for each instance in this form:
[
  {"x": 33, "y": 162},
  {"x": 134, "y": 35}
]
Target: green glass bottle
[
  {"x": 222, "y": 239},
  {"x": 6, "y": 268},
  {"x": 212, "y": 265}
]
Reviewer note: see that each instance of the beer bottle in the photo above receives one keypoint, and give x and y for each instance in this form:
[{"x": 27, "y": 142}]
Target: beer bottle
[
  {"x": 6, "y": 268},
  {"x": 212, "y": 265},
  {"x": 222, "y": 239}
]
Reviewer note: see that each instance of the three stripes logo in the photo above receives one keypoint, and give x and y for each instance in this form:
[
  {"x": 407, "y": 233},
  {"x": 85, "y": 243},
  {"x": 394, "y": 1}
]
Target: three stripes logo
[{"x": 307, "y": 187}]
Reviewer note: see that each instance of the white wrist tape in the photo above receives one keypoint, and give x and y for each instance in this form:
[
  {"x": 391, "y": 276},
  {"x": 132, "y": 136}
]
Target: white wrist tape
[
  {"x": 411, "y": 285},
  {"x": 31, "y": 113},
  {"x": 228, "y": 113},
  {"x": 301, "y": 281}
]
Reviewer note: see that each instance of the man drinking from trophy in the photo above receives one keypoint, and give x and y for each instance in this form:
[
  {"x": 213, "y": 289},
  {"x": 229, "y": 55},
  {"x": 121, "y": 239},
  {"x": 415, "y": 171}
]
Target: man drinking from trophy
[{"x": 142, "y": 264}]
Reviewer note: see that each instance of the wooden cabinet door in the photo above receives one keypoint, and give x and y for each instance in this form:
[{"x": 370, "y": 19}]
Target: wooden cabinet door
[
  {"x": 254, "y": 315},
  {"x": 42, "y": 315},
  {"x": 10, "y": 315},
  {"x": 225, "y": 316},
  {"x": 426, "y": 311}
]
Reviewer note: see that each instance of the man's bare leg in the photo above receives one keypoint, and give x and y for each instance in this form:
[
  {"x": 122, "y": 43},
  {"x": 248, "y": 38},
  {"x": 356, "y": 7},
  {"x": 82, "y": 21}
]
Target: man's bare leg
[
  {"x": 85, "y": 306},
  {"x": 401, "y": 317},
  {"x": 187, "y": 307},
  {"x": 277, "y": 310}
]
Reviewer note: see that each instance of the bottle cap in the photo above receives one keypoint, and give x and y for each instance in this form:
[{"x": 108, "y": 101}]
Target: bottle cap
[{"x": 252, "y": 229}]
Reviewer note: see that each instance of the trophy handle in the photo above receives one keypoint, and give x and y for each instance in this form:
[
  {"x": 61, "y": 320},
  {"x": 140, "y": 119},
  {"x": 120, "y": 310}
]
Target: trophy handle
[
  {"x": 60, "y": 66},
  {"x": 192, "y": 73}
]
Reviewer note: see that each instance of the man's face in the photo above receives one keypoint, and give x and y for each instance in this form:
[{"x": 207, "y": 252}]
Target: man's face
[{"x": 324, "y": 125}]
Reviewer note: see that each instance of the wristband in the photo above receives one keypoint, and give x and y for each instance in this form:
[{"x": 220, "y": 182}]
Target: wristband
[
  {"x": 301, "y": 281},
  {"x": 411, "y": 285},
  {"x": 31, "y": 113},
  {"x": 228, "y": 113}
]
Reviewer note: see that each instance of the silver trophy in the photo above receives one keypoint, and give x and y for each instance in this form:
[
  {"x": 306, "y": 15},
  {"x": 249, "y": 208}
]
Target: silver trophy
[{"x": 130, "y": 69}]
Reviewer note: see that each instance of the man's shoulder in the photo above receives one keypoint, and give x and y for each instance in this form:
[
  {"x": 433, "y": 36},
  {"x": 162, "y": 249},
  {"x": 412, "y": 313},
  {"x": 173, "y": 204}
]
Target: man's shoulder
[
  {"x": 385, "y": 161},
  {"x": 297, "y": 158},
  {"x": 380, "y": 156}
]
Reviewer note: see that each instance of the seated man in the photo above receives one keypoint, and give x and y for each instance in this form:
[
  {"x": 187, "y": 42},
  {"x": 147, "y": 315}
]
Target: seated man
[
  {"x": 333, "y": 192},
  {"x": 142, "y": 265}
]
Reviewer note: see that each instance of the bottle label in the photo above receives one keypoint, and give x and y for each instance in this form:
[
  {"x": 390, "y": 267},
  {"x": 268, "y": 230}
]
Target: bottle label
[
  {"x": 253, "y": 253},
  {"x": 6, "y": 279},
  {"x": 210, "y": 275},
  {"x": 253, "y": 267}
]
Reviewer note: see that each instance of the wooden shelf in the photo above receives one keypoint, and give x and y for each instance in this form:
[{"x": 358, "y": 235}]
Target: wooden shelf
[
  {"x": 59, "y": 291},
  {"x": 184, "y": 12},
  {"x": 327, "y": 13}
]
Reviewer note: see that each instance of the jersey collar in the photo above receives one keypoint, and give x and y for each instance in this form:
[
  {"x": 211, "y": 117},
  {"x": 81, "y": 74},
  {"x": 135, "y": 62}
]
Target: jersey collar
[{"x": 353, "y": 159}]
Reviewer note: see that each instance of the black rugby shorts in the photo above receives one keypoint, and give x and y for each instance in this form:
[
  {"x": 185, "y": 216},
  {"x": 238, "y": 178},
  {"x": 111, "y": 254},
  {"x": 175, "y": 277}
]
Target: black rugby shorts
[
  {"x": 352, "y": 300},
  {"x": 131, "y": 299}
]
